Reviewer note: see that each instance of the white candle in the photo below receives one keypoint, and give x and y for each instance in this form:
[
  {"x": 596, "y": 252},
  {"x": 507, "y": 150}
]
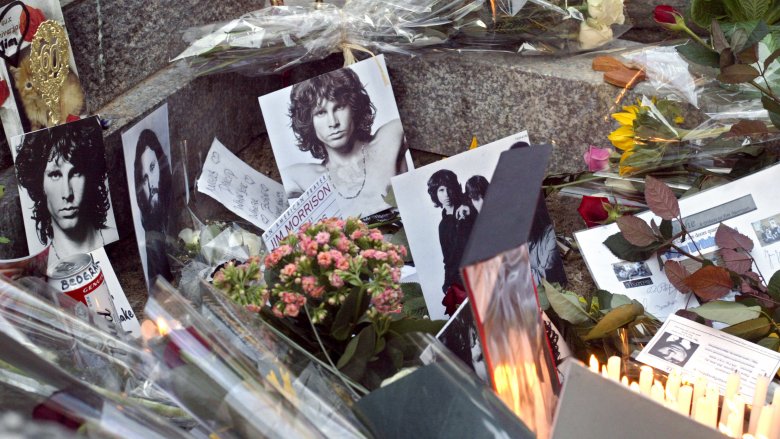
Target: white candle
[
  {"x": 645, "y": 380},
  {"x": 604, "y": 372},
  {"x": 624, "y": 380},
  {"x": 759, "y": 399},
  {"x": 774, "y": 431},
  {"x": 634, "y": 387},
  {"x": 732, "y": 389},
  {"x": 684, "y": 397},
  {"x": 613, "y": 368},
  {"x": 710, "y": 415},
  {"x": 764, "y": 422},
  {"x": 594, "y": 363},
  {"x": 657, "y": 392},
  {"x": 699, "y": 390},
  {"x": 672, "y": 385},
  {"x": 735, "y": 421},
  {"x": 701, "y": 410}
]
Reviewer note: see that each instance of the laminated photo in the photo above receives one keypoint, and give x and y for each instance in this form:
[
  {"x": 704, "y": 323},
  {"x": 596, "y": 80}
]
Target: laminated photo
[
  {"x": 147, "y": 153},
  {"x": 344, "y": 124},
  {"x": 22, "y": 106},
  {"x": 439, "y": 204},
  {"x": 740, "y": 205},
  {"x": 63, "y": 189}
]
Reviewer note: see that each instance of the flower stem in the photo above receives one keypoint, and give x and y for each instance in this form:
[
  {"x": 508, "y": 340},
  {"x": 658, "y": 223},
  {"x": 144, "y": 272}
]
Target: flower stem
[
  {"x": 696, "y": 37},
  {"x": 573, "y": 183}
]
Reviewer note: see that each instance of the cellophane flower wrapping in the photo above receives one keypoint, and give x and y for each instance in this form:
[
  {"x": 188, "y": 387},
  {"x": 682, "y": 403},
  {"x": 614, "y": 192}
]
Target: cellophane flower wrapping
[
  {"x": 81, "y": 376},
  {"x": 222, "y": 386},
  {"x": 277, "y": 38}
]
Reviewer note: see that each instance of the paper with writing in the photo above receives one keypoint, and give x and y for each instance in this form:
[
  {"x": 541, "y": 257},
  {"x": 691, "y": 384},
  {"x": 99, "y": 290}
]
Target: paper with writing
[
  {"x": 244, "y": 191},
  {"x": 318, "y": 202}
]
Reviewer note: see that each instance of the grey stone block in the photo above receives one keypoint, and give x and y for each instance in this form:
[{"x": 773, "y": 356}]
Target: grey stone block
[{"x": 446, "y": 98}]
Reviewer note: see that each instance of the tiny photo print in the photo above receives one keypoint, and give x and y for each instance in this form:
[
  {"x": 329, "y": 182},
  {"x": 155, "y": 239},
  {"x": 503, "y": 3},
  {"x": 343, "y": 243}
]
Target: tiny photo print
[
  {"x": 767, "y": 230},
  {"x": 674, "y": 349},
  {"x": 628, "y": 271}
]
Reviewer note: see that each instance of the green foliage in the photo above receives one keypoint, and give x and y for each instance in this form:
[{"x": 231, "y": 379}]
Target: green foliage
[
  {"x": 698, "y": 54},
  {"x": 730, "y": 313},
  {"x": 414, "y": 302},
  {"x": 566, "y": 305}
]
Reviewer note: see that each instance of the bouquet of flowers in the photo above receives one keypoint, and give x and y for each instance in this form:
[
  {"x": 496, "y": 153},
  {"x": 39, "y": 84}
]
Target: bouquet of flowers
[
  {"x": 276, "y": 38},
  {"x": 334, "y": 287}
]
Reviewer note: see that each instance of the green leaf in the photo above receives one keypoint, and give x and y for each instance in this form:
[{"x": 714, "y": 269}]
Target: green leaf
[
  {"x": 626, "y": 251},
  {"x": 390, "y": 196},
  {"x": 727, "y": 312},
  {"x": 615, "y": 319},
  {"x": 704, "y": 11},
  {"x": 773, "y": 287},
  {"x": 738, "y": 74},
  {"x": 355, "y": 367},
  {"x": 755, "y": 9},
  {"x": 414, "y": 301},
  {"x": 349, "y": 352},
  {"x": 566, "y": 305},
  {"x": 404, "y": 326},
  {"x": 772, "y": 343},
  {"x": 698, "y": 54},
  {"x": 752, "y": 330},
  {"x": 4, "y": 240},
  {"x": 544, "y": 304},
  {"x": 2, "y": 190},
  {"x": 618, "y": 300},
  {"x": 343, "y": 321},
  {"x": 667, "y": 230}
]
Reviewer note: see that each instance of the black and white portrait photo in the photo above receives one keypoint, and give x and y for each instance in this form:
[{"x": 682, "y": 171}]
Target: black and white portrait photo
[
  {"x": 461, "y": 337},
  {"x": 439, "y": 204},
  {"x": 674, "y": 349},
  {"x": 64, "y": 189},
  {"x": 148, "y": 165},
  {"x": 344, "y": 124}
]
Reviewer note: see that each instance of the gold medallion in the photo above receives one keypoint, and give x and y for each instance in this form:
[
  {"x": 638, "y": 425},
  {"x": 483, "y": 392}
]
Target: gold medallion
[{"x": 49, "y": 65}]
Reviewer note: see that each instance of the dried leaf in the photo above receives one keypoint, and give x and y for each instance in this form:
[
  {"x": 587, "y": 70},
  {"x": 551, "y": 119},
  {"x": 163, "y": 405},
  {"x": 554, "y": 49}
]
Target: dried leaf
[
  {"x": 726, "y": 58},
  {"x": 719, "y": 41},
  {"x": 738, "y": 74},
  {"x": 710, "y": 282},
  {"x": 677, "y": 273},
  {"x": 661, "y": 199},
  {"x": 771, "y": 58},
  {"x": 726, "y": 237},
  {"x": 636, "y": 231},
  {"x": 615, "y": 319},
  {"x": 736, "y": 261},
  {"x": 754, "y": 329},
  {"x": 745, "y": 128},
  {"x": 749, "y": 55}
]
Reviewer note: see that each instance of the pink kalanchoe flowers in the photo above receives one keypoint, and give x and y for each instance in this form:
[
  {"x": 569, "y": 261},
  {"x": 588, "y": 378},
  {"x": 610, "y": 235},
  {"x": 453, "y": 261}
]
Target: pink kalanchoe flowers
[{"x": 597, "y": 158}]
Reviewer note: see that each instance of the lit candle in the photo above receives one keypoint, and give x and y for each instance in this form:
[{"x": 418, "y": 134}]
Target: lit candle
[
  {"x": 774, "y": 431},
  {"x": 613, "y": 368},
  {"x": 699, "y": 390},
  {"x": 594, "y": 363},
  {"x": 700, "y": 406},
  {"x": 710, "y": 415},
  {"x": 684, "y": 397},
  {"x": 672, "y": 385},
  {"x": 645, "y": 380},
  {"x": 732, "y": 389},
  {"x": 604, "y": 371},
  {"x": 759, "y": 399},
  {"x": 764, "y": 422},
  {"x": 634, "y": 387},
  {"x": 624, "y": 380},
  {"x": 657, "y": 392}
]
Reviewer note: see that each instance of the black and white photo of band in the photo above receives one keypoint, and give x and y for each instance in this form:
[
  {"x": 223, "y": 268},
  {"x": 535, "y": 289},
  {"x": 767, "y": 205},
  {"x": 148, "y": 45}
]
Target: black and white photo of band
[
  {"x": 767, "y": 230},
  {"x": 344, "y": 124},
  {"x": 461, "y": 337},
  {"x": 674, "y": 349},
  {"x": 147, "y": 156},
  {"x": 438, "y": 204},
  {"x": 625, "y": 271},
  {"x": 64, "y": 190}
]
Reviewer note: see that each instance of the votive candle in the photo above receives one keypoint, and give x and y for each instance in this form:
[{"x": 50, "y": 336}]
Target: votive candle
[
  {"x": 645, "y": 380},
  {"x": 759, "y": 399}
]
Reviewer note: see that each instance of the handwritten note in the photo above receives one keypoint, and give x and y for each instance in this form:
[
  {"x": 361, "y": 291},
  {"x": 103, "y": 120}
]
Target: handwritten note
[
  {"x": 318, "y": 202},
  {"x": 244, "y": 191}
]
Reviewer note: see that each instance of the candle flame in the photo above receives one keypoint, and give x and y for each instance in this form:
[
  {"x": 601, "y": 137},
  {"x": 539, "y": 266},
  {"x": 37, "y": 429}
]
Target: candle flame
[
  {"x": 594, "y": 363},
  {"x": 162, "y": 326}
]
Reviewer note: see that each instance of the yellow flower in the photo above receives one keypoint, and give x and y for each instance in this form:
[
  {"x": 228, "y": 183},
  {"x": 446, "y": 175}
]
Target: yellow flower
[
  {"x": 679, "y": 119},
  {"x": 625, "y": 169},
  {"x": 623, "y": 138}
]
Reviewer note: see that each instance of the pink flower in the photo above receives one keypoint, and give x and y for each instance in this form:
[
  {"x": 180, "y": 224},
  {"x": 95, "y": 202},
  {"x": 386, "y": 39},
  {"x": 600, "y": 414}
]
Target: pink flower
[
  {"x": 342, "y": 264},
  {"x": 272, "y": 259},
  {"x": 336, "y": 280},
  {"x": 289, "y": 269},
  {"x": 596, "y": 158},
  {"x": 253, "y": 308},
  {"x": 311, "y": 287},
  {"x": 343, "y": 245},
  {"x": 311, "y": 249},
  {"x": 368, "y": 253},
  {"x": 395, "y": 273},
  {"x": 357, "y": 234},
  {"x": 402, "y": 250},
  {"x": 292, "y": 310},
  {"x": 388, "y": 301},
  {"x": 277, "y": 312},
  {"x": 322, "y": 238},
  {"x": 375, "y": 234},
  {"x": 283, "y": 250},
  {"x": 324, "y": 259}
]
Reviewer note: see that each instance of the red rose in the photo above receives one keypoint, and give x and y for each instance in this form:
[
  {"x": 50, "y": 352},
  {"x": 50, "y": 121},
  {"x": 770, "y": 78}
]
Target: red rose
[
  {"x": 4, "y": 92},
  {"x": 454, "y": 296},
  {"x": 52, "y": 410},
  {"x": 592, "y": 210},
  {"x": 36, "y": 18},
  {"x": 669, "y": 17},
  {"x": 72, "y": 118},
  {"x": 190, "y": 338}
]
